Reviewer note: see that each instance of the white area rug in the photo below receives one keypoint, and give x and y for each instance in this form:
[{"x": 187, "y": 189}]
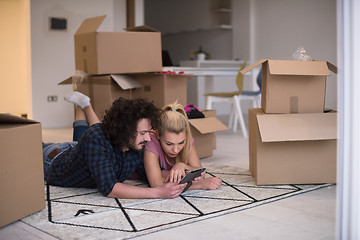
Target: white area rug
[{"x": 76, "y": 213}]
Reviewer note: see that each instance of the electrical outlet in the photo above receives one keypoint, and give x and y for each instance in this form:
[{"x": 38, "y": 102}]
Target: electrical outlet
[{"x": 52, "y": 98}]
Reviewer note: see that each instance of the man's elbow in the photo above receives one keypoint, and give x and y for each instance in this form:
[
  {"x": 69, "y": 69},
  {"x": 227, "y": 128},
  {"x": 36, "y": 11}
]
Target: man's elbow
[{"x": 110, "y": 195}]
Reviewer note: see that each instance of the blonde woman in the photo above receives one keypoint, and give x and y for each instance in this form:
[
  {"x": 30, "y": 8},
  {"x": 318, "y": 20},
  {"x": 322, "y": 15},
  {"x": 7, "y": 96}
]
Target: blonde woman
[{"x": 171, "y": 151}]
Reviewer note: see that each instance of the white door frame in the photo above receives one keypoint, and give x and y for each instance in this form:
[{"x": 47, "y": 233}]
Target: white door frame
[{"x": 348, "y": 167}]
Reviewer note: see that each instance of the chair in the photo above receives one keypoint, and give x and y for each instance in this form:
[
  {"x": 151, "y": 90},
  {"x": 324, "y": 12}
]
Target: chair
[
  {"x": 235, "y": 99},
  {"x": 254, "y": 96}
]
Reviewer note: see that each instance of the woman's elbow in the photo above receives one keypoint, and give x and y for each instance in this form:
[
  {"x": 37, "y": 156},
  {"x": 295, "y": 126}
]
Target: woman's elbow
[{"x": 157, "y": 183}]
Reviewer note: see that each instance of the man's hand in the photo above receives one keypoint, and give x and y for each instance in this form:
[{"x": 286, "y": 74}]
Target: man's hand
[
  {"x": 167, "y": 190},
  {"x": 171, "y": 190}
]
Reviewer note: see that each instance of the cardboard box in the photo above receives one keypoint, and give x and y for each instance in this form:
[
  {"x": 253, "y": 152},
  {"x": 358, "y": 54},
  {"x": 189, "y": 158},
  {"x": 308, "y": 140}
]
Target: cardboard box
[
  {"x": 163, "y": 88},
  {"x": 290, "y": 86},
  {"x": 292, "y": 148},
  {"x": 116, "y": 52},
  {"x": 21, "y": 168},
  {"x": 203, "y": 131},
  {"x": 103, "y": 90},
  {"x": 207, "y": 114}
]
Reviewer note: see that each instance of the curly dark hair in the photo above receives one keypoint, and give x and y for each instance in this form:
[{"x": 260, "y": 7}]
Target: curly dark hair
[{"x": 120, "y": 121}]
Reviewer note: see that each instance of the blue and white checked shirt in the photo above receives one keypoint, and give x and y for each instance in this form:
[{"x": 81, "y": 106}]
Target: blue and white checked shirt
[{"x": 94, "y": 163}]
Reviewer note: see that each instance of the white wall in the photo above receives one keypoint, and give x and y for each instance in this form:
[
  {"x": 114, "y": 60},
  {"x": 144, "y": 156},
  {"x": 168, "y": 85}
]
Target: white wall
[
  {"x": 241, "y": 29},
  {"x": 53, "y": 52}
]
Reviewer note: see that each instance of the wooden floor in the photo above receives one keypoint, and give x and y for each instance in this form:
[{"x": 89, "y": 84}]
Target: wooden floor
[{"x": 306, "y": 216}]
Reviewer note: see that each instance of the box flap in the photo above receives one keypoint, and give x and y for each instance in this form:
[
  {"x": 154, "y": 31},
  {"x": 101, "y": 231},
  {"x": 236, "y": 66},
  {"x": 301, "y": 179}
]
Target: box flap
[
  {"x": 245, "y": 70},
  {"x": 126, "y": 82},
  {"x": 90, "y": 25},
  {"x": 66, "y": 81},
  {"x": 295, "y": 67},
  {"x": 297, "y": 127},
  {"x": 207, "y": 125},
  {"x": 332, "y": 67},
  {"x": 9, "y": 118},
  {"x": 142, "y": 28}
]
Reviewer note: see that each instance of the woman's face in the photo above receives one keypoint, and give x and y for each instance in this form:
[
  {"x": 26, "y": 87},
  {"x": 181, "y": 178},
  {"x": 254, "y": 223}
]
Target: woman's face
[{"x": 172, "y": 143}]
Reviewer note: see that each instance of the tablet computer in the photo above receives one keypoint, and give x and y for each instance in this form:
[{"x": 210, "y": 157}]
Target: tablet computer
[{"x": 190, "y": 176}]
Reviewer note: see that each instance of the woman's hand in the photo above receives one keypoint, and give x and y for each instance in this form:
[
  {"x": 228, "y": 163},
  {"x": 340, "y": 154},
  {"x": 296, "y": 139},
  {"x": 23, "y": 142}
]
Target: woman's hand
[
  {"x": 176, "y": 173},
  {"x": 198, "y": 179},
  {"x": 210, "y": 183}
]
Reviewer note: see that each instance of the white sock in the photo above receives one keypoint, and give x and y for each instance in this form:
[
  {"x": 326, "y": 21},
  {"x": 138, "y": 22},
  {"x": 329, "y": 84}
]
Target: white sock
[{"x": 78, "y": 98}]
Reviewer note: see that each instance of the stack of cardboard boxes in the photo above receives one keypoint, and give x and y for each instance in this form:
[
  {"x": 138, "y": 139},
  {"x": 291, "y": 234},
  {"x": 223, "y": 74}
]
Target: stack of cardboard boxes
[
  {"x": 123, "y": 64},
  {"x": 129, "y": 64},
  {"x": 292, "y": 138}
]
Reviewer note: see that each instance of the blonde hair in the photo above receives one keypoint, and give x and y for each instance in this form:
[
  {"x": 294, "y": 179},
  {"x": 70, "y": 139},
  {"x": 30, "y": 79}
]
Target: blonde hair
[{"x": 173, "y": 118}]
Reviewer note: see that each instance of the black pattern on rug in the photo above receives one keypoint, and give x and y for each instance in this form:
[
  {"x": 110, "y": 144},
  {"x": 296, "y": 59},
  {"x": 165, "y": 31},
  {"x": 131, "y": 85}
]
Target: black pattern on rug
[{"x": 85, "y": 209}]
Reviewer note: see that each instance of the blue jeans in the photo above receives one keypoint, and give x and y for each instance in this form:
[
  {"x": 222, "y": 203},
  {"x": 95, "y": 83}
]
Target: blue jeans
[{"x": 53, "y": 150}]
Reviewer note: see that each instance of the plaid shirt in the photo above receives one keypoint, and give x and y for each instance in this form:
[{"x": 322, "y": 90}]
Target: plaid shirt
[{"x": 94, "y": 162}]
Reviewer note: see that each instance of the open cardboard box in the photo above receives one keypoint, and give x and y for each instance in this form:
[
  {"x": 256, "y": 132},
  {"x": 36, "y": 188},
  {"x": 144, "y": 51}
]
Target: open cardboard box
[
  {"x": 160, "y": 88},
  {"x": 116, "y": 52},
  {"x": 292, "y": 148},
  {"x": 204, "y": 131},
  {"x": 22, "y": 189},
  {"x": 291, "y": 86}
]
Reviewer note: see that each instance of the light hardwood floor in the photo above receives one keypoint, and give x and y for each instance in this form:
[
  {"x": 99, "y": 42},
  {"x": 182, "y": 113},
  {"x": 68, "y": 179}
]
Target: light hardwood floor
[{"x": 307, "y": 216}]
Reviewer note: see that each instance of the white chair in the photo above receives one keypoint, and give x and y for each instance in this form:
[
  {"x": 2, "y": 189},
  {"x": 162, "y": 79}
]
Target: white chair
[{"x": 235, "y": 99}]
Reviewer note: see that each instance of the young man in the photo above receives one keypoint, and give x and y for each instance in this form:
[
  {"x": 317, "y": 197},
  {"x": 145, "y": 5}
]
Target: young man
[{"x": 106, "y": 153}]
